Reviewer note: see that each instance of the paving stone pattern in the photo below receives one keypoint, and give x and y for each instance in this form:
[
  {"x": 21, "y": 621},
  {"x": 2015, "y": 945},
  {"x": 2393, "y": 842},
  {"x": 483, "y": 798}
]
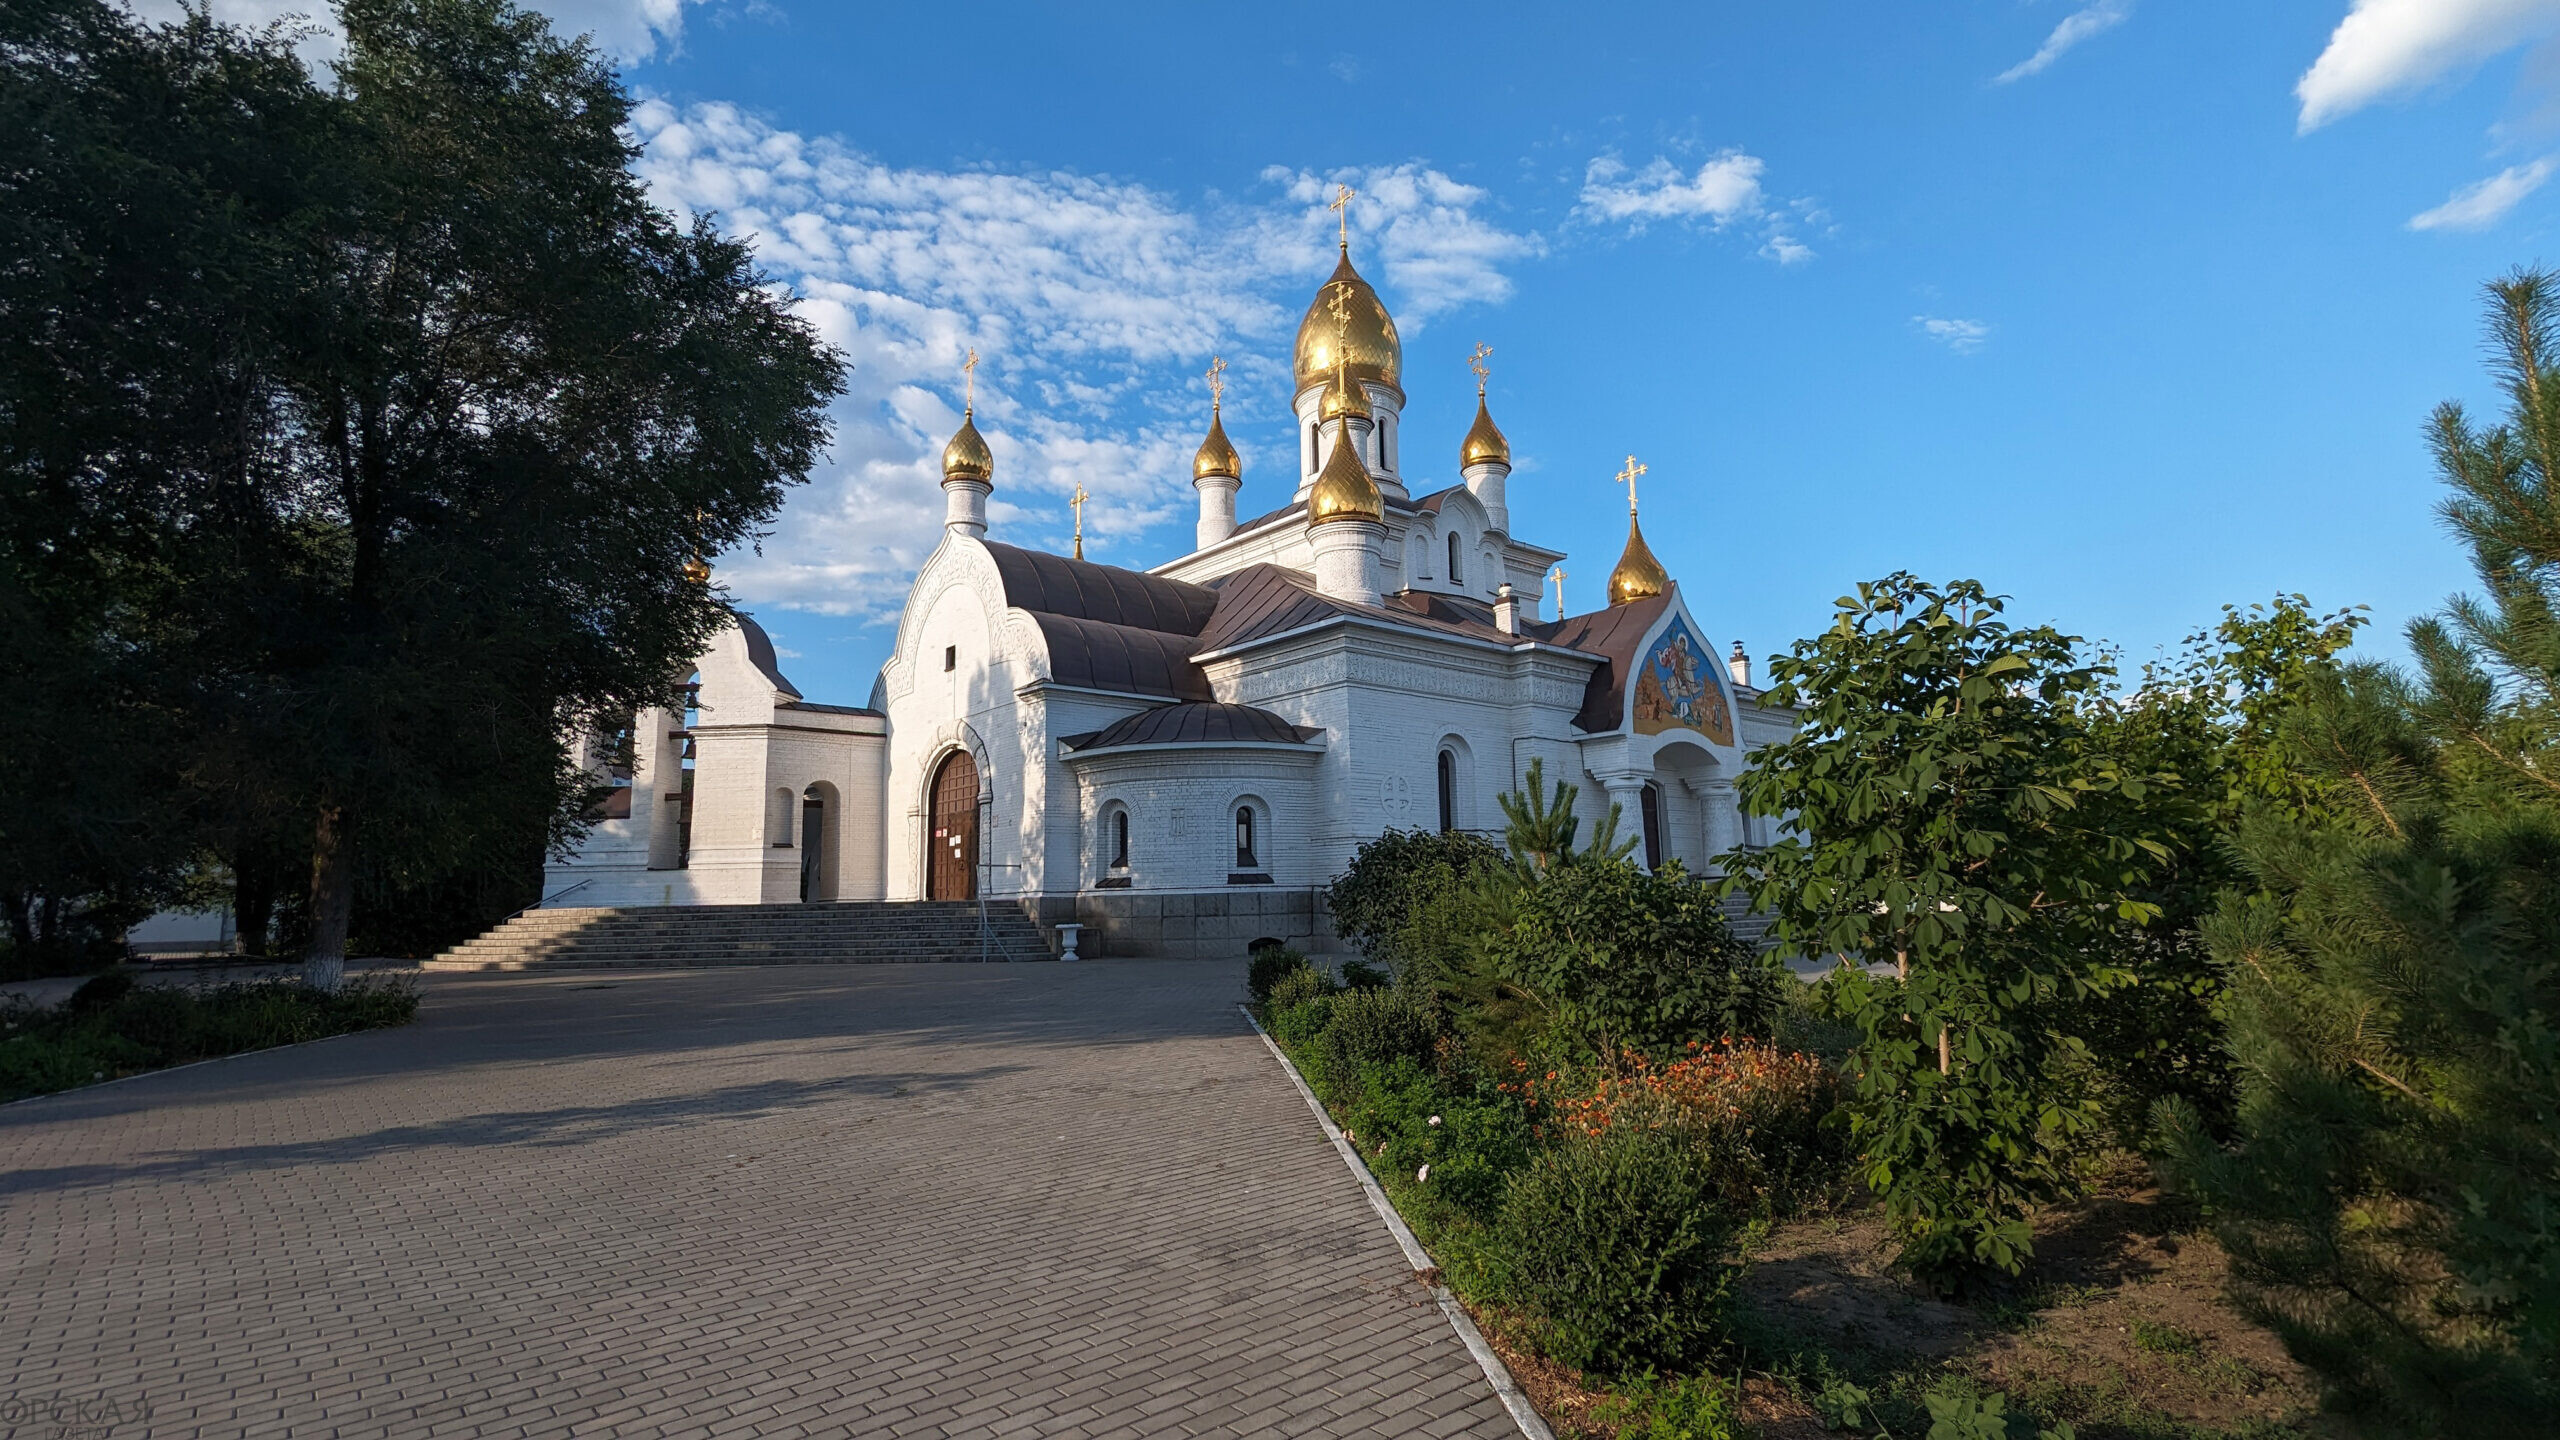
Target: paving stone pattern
[{"x": 874, "y": 1200}]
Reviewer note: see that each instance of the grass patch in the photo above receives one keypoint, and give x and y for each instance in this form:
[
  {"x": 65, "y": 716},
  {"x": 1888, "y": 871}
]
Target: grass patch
[
  {"x": 2161, "y": 1338},
  {"x": 111, "y": 1027}
]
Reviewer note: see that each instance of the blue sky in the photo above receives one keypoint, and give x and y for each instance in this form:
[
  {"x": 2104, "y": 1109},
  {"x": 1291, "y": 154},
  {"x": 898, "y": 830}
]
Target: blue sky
[{"x": 2128, "y": 309}]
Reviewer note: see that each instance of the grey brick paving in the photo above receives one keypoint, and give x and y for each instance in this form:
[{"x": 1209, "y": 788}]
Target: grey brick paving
[{"x": 1029, "y": 1200}]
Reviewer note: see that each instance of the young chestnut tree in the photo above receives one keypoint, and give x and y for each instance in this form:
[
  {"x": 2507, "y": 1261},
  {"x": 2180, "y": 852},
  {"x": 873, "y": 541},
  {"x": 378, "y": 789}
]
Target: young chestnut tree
[{"x": 1950, "y": 817}]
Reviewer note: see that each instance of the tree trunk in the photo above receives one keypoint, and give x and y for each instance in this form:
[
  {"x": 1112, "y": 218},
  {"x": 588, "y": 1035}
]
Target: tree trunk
[
  {"x": 333, "y": 897},
  {"x": 1946, "y": 1051},
  {"x": 253, "y": 905}
]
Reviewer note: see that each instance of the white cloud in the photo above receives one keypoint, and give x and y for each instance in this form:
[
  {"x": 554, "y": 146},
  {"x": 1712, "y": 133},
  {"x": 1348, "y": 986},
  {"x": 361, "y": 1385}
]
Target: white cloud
[
  {"x": 2387, "y": 47},
  {"x": 1725, "y": 191},
  {"x": 1962, "y": 336},
  {"x": 2077, "y": 26},
  {"x": 627, "y": 30},
  {"x": 2484, "y": 203},
  {"x": 1093, "y": 305}
]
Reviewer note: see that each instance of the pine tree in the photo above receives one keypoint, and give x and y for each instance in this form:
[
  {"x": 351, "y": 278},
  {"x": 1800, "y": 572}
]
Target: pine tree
[{"x": 2391, "y": 1194}]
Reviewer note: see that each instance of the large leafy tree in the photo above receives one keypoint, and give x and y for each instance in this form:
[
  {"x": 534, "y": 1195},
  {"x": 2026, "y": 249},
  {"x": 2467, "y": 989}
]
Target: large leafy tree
[
  {"x": 477, "y": 401},
  {"x": 152, "y": 186},
  {"x": 2391, "y": 1196},
  {"x": 1952, "y": 816}
]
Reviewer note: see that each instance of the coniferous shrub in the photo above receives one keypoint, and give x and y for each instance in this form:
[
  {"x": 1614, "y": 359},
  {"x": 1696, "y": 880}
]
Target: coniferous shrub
[
  {"x": 2393, "y": 987},
  {"x": 1296, "y": 986}
]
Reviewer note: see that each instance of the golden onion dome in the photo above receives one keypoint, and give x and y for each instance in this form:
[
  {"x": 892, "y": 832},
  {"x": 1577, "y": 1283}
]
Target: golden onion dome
[
  {"x": 1343, "y": 489},
  {"x": 1639, "y": 576},
  {"x": 1484, "y": 444},
  {"x": 697, "y": 570},
  {"x": 1344, "y": 399},
  {"x": 967, "y": 456},
  {"x": 1217, "y": 455},
  {"x": 1368, "y": 341}
]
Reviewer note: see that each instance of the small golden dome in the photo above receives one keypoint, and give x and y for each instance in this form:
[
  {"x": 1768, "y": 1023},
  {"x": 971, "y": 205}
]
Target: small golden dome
[
  {"x": 1343, "y": 489},
  {"x": 967, "y": 456},
  {"x": 1369, "y": 341},
  {"x": 1485, "y": 443},
  {"x": 1217, "y": 455},
  {"x": 698, "y": 570},
  {"x": 1639, "y": 576},
  {"x": 1344, "y": 399}
]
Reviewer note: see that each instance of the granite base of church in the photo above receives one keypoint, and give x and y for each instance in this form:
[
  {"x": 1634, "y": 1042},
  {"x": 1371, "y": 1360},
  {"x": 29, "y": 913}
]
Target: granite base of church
[{"x": 1187, "y": 925}]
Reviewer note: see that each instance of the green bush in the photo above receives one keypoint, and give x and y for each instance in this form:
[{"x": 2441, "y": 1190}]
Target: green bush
[
  {"x": 1301, "y": 1022},
  {"x": 1360, "y": 976},
  {"x": 1619, "y": 1247},
  {"x": 1627, "y": 960},
  {"x": 1376, "y": 1027},
  {"x": 1371, "y": 901},
  {"x": 150, "y": 1027},
  {"x": 1700, "y": 1407},
  {"x": 1461, "y": 1144},
  {"x": 1296, "y": 986},
  {"x": 1269, "y": 966}
]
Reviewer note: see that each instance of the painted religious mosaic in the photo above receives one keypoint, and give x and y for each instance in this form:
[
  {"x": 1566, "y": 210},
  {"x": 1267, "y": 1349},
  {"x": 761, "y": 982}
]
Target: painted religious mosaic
[{"x": 1676, "y": 689}]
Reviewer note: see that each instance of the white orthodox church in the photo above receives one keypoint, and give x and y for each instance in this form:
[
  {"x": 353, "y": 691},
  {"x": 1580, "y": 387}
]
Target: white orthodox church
[{"x": 1179, "y": 759}]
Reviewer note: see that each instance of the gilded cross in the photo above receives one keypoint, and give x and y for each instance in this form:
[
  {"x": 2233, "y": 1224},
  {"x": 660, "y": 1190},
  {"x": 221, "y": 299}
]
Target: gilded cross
[
  {"x": 1217, "y": 381},
  {"x": 1627, "y": 477},
  {"x": 1476, "y": 363},
  {"x": 1340, "y": 305},
  {"x": 1077, "y": 500},
  {"x": 1341, "y": 207},
  {"x": 969, "y": 370},
  {"x": 1555, "y": 577}
]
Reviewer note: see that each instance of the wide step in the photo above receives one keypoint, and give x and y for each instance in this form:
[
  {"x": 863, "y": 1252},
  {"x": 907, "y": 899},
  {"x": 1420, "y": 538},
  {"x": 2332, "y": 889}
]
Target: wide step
[{"x": 690, "y": 936}]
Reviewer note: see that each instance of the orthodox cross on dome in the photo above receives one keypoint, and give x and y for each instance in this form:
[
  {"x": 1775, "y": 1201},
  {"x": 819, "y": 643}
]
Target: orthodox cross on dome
[
  {"x": 1476, "y": 363},
  {"x": 1340, "y": 305},
  {"x": 1077, "y": 500},
  {"x": 1217, "y": 376},
  {"x": 1627, "y": 477},
  {"x": 1341, "y": 207},
  {"x": 1555, "y": 577},
  {"x": 969, "y": 372}
]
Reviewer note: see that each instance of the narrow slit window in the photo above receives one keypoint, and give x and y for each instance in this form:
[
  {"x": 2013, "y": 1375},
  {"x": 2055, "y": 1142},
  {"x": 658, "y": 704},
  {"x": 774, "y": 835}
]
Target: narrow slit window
[
  {"x": 1456, "y": 575},
  {"x": 1119, "y": 839},
  {"x": 1448, "y": 792},
  {"x": 1244, "y": 838}
]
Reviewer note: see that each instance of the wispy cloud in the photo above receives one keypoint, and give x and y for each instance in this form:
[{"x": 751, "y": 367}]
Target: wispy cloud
[
  {"x": 2389, "y": 47},
  {"x": 2077, "y": 26},
  {"x": 2484, "y": 203},
  {"x": 1092, "y": 303},
  {"x": 1725, "y": 191},
  {"x": 1961, "y": 336},
  {"x": 627, "y": 30}
]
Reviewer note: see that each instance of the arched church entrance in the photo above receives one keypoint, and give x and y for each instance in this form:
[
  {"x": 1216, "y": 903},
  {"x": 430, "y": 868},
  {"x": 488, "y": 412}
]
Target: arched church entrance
[{"x": 951, "y": 831}]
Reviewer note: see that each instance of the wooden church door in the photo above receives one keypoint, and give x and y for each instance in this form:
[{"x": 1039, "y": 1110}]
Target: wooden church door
[{"x": 951, "y": 836}]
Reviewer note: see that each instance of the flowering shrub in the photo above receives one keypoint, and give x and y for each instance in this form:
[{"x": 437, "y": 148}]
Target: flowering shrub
[{"x": 1756, "y": 1110}]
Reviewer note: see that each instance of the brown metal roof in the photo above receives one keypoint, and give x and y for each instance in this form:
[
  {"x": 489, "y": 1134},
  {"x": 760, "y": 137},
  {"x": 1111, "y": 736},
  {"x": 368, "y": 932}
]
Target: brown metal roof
[
  {"x": 1194, "y": 724},
  {"x": 1612, "y": 634},
  {"x": 1053, "y": 584}
]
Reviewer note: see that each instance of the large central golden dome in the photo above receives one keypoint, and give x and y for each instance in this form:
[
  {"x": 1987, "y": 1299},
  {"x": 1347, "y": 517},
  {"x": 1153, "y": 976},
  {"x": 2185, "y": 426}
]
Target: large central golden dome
[{"x": 1369, "y": 341}]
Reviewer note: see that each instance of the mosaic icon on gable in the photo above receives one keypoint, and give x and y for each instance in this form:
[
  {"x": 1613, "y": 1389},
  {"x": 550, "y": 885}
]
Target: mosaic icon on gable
[{"x": 1676, "y": 688}]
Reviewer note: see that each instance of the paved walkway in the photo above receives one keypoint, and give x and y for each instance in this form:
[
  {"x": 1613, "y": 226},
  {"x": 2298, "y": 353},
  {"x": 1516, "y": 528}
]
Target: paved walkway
[{"x": 892, "y": 1200}]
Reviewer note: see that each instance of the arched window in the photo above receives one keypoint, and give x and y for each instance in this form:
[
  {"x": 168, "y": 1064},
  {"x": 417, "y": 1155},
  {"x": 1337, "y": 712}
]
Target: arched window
[
  {"x": 1119, "y": 839},
  {"x": 1457, "y": 575},
  {"x": 1651, "y": 803},
  {"x": 1244, "y": 839},
  {"x": 1448, "y": 792}
]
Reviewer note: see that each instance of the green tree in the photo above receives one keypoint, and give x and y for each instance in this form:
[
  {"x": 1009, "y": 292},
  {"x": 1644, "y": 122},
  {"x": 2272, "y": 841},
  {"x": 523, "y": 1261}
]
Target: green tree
[
  {"x": 1950, "y": 814},
  {"x": 2393, "y": 983},
  {"x": 152, "y": 182},
  {"x": 444, "y": 406},
  {"x": 2210, "y": 715}
]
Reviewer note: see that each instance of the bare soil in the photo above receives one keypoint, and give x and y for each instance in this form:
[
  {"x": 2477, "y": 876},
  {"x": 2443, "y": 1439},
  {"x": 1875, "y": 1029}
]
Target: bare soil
[{"x": 2118, "y": 1325}]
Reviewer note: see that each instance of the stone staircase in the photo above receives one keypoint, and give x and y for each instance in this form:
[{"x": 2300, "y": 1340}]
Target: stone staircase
[
  {"x": 675, "y": 937},
  {"x": 1750, "y": 926}
]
